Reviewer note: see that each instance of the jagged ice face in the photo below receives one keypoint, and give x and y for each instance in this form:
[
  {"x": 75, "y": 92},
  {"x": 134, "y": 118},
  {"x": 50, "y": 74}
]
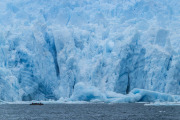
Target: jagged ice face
[{"x": 47, "y": 47}]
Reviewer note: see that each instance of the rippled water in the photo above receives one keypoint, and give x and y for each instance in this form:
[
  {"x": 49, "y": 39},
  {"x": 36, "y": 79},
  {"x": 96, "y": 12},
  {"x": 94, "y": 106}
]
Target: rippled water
[{"x": 131, "y": 111}]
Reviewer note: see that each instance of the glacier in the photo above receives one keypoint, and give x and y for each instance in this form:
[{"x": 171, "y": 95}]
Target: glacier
[{"x": 85, "y": 50}]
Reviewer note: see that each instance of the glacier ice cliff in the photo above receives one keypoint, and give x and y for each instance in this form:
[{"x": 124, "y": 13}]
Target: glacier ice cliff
[{"x": 48, "y": 47}]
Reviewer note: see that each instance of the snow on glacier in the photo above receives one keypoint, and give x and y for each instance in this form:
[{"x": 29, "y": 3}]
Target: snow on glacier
[{"x": 49, "y": 49}]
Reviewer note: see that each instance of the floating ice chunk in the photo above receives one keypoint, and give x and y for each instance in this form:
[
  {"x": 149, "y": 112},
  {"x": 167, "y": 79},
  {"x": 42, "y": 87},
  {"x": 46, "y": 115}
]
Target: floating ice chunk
[
  {"x": 85, "y": 92},
  {"x": 163, "y": 104},
  {"x": 141, "y": 95},
  {"x": 152, "y": 96}
]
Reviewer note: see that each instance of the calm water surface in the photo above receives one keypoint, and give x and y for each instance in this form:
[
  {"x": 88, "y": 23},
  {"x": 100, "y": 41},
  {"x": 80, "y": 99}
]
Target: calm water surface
[{"x": 129, "y": 111}]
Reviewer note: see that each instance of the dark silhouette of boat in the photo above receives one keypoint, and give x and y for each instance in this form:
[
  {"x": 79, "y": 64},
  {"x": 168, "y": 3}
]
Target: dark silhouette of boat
[{"x": 36, "y": 104}]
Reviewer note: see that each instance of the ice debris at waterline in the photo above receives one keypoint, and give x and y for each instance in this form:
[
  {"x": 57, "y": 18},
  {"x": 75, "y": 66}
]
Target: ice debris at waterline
[
  {"x": 84, "y": 92},
  {"x": 48, "y": 46}
]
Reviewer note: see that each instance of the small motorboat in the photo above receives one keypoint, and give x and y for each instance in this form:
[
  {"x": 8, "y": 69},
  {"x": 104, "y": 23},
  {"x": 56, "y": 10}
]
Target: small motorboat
[{"x": 36, "y": 104}]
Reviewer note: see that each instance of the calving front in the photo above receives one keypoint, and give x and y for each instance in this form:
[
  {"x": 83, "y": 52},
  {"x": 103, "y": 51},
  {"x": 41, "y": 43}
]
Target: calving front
[{"x": 50, "y": 49}]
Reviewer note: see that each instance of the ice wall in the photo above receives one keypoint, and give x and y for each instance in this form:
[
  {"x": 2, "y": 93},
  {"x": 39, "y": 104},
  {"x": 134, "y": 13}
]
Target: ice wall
[{"x": 48, "y": 46}]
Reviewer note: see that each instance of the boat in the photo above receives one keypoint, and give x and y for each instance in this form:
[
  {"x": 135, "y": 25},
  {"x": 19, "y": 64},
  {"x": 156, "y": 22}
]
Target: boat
[{"x": 36, "y": 104}]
